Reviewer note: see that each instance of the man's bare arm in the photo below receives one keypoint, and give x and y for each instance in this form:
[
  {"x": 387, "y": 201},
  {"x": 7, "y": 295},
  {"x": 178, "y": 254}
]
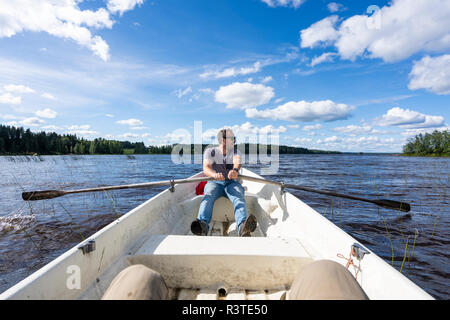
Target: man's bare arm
[
  {"x": 236, "y": 165},
  {"x": 237, "y": 162}
]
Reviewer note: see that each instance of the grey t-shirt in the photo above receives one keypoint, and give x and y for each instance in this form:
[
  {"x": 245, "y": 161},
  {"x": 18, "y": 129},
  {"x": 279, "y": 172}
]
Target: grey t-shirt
[{"x": 220, "y": 163}]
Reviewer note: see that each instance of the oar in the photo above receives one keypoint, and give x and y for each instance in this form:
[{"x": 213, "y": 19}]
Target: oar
[
  {"x": 389, "y": 204},
  {"x": 50, "y": 194}
]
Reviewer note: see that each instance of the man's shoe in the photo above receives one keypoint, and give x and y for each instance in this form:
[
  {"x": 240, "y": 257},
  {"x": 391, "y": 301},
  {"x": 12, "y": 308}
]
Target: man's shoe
[
  {"x": 199, "y": 228},
  {"x": 249, "y": 225}
]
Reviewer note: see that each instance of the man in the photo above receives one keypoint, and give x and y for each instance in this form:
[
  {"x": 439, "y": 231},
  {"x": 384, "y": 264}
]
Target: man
[{"x": 223, "y": 163}]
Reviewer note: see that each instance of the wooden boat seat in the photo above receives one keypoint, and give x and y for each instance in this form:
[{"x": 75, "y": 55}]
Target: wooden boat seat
[{"x": 192, "y": 262}]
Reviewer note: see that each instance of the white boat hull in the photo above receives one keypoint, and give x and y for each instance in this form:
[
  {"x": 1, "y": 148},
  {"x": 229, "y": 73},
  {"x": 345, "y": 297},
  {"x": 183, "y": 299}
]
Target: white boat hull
[{"x": 290, "y": 234}]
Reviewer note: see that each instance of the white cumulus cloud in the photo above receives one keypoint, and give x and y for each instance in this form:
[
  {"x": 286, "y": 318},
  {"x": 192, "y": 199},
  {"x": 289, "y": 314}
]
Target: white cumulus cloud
[
  {"x": 320, "y": 32},
  {"x": 432, "y": 74},
  {"x": 325, "y": 110},
  {"x": 32, "y": 122},
  {"x": 244, "y": 95},
  {"x": 46, "y": 113},
  {"x": 406, "y": 118},
  {"x": 8, "y": 98},
  {"x": 63, "y": 19},
  {"x": 122, "y": 5},
  {"x": 392, "y": 33},
  {"x": 18, "y": 88}
]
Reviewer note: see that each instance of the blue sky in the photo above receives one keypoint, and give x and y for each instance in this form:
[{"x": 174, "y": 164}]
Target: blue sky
[{"x": 345, "y": 75}]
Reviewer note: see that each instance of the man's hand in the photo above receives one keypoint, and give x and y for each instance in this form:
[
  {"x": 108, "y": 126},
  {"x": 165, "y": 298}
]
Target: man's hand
[
  {"x": 232, "y": 174},
  {"x": 219, "y": 176}
]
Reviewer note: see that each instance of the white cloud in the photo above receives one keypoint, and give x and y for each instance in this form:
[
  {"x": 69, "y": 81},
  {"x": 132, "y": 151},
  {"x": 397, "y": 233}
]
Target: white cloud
[
  {"x": 293, "y": 126},
  {"x": 413, "y": 132},
  {"x": 181, "y": 93},
  {"x": 8, "y": 116},
  {"x": 353, "y": 129},
  {"x": 81, "y": 130},
  {"x": 325, "y": 110},
  {"x": 395, "y": 32},
  {"x": 8, "y": 98},
  {"x": 332, "y": 139},
  {"x": 322, "y": 31},
  {"x": 32, "y": 122},
  {"x": 83, "y": 133},
  {"x": 109, "y": 115},
  {"x": 245, "y": 132},
  {"x": 325, "y": 57},
  {"x": 244, "y": 95},
  {"x": 51, "y": 127},
  {"x": 18, "y": 88},
  {"x": 303, "y": 140},
  {"x": 359, "y": 143},
  {"x": 131, "y": 122},
  {"x": 79, "y": 127},
  {"x": 46, "y": 113},
  {"x": 62, "y": 19},
  {"x": 283, "y": 3},
  {"x": 267, "y": 79},
  {"x": 129, "y": 135},
  {"x": 232, "y": 72},
  {"x": 406, "y": 118},
  {"x": 122, "y": 5},
  {"x": 48, "y": 96},
  {"x": 432, "y": 74},
  {"x": 312, "y": 127},
  {"x": 335, "y": 7},
  {"x": 206, "y": 90}
]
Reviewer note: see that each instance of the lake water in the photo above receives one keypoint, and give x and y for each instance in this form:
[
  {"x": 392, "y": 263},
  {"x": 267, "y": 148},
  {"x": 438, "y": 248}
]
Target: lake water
[{"x": 34, "y": 233}]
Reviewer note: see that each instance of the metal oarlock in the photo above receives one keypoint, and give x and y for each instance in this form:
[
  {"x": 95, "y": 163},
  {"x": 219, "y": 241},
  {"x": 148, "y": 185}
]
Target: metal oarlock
[
  {"x": 172, "y": 186},
  {"x": 359, "y": 251},
  {"x": 87, "y": 247},
  {"x": 282, "y": 191}
]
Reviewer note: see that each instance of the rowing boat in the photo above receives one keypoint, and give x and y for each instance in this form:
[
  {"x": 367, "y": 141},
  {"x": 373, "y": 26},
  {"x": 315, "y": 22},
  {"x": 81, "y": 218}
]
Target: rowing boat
[{"x": 290, "y": 235}]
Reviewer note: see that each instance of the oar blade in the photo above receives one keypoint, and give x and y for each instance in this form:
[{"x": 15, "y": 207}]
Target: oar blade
[
  {"x": 42, "y": 195},
  {"x": 391, "y": 204}
]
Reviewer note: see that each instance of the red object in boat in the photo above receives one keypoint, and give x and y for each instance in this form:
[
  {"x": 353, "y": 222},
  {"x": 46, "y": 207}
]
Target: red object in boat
[{"x": 201, "y": 186}]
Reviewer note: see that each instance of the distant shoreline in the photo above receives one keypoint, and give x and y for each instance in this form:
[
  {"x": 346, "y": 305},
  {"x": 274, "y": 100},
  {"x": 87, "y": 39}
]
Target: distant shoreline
[
  {"x": 426, "y": 155},
  {"x": 162, "y": 154}
]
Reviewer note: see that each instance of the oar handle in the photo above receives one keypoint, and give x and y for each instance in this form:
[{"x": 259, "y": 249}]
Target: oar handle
[
  {"x": 42, "y": 195},
  {"x": 50, "y": 194}
]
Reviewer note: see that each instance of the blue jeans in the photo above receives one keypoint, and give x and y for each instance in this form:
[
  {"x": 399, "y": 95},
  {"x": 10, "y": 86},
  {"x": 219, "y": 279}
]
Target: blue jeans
[{"x": 230, "y": 189}]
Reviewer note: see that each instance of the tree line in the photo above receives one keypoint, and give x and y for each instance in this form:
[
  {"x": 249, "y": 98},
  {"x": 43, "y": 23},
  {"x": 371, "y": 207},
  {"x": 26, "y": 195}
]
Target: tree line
[
  {"x": 429, "y": 144},
  {"x": 18, "y": 141},
  {"x": 15, "y": 141}
]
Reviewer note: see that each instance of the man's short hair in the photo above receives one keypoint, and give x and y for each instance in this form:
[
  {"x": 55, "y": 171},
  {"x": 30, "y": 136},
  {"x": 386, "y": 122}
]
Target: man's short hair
[{"x": 223, "y": 133}]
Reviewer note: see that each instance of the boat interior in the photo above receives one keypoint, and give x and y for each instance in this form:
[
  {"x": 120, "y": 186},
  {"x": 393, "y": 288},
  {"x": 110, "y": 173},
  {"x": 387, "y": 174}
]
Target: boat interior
[{"x": 220, "y": 265}]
